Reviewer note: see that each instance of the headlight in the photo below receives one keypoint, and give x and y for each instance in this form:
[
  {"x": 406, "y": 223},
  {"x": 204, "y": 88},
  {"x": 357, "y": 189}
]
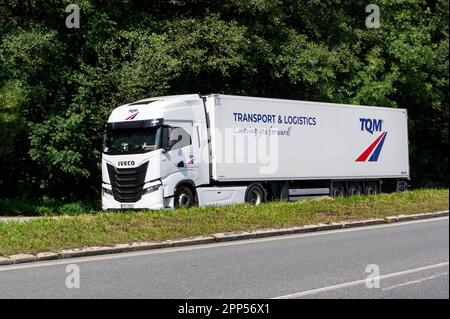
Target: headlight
[
  {"x": 107, "y": 191},
  {"x": 151, "y": 189}
]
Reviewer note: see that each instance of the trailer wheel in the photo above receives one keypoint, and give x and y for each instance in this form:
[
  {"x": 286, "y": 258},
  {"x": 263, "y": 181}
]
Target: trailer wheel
[
  {"x": 337, "y": 190},
  {"x": 371, "y": 189},
  {"x": 184, "y": 197},
  {"x": 255, "y": 195},
  {"x": 354, "y": 189}
]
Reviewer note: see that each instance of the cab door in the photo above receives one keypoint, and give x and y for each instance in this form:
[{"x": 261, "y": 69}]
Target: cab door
[{"x": 178, "y": 155}]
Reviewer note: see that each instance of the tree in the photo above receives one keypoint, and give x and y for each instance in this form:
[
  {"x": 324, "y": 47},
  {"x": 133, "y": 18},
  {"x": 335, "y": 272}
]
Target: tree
[{"x": 58, "y": 85}]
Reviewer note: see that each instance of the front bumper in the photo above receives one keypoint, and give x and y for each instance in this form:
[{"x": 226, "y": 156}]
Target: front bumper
[{"x": 153, "y": 200}]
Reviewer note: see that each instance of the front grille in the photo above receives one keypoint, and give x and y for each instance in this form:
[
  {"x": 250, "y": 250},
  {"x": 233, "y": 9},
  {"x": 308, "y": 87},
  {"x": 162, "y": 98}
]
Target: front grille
[{"x": 127, "y": 183}]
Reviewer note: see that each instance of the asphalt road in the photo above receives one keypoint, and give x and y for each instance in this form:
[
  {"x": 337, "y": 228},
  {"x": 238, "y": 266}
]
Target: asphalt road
[{"x": 411, "y": 259}]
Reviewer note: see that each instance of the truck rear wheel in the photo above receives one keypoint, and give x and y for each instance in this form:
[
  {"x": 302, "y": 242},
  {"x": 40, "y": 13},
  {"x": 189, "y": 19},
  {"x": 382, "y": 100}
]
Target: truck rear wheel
[
  {"x": 255, "y": 195},
  {"x": 184, "y": 197},
  {"x": 371, "y": 189},
  {"x": 354, "y": 189},
  {"x": 337, "y": 190},
  {"x": 284, "y": 194}
]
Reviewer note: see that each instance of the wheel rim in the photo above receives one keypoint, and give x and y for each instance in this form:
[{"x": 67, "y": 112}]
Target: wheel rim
[
  {"x": 255, "y": 197},
  {"x": 184, "y": 200},
  {"x": 371, "y": 190},
  {"x": 337, "y": 192},
  {"x": 355, "y": 191}
]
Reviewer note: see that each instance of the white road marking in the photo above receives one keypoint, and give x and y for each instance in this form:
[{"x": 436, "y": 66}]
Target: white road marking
[
  {"x": 359, "y": 282},
  {"x": 415, "y": 281},
  {"x": 208, "y": 246}
]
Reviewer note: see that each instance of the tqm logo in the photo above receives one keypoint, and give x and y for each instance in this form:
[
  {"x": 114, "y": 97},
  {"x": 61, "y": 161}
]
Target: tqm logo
[
  {"x": 371, "y": 125},
  {"x": 132, "y": 116},
  {"x": 372, "y": 152}
]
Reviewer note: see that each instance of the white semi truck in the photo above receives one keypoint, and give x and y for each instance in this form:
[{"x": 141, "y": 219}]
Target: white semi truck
[{"x": 185, "y": 150}]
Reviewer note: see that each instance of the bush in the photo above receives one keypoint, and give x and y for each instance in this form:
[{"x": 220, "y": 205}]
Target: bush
[
  {"x": 72, "y": 209},
  {"x": 45, "y": 207},
  {"x": 15, "y": 207},
  {"x": 44, "y": 211}
]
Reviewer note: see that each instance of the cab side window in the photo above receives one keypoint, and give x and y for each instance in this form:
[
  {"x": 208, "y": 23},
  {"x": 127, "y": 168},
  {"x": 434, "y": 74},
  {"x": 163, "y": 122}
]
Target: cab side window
[{"x": 175, "y": 138}]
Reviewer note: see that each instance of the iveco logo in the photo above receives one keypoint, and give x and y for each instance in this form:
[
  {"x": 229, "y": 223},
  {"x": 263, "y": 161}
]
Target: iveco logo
[{"x": 125, "y": 163}]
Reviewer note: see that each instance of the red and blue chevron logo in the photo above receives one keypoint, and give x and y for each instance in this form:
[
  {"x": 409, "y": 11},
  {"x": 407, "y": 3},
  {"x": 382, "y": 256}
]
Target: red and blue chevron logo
[
  {"x": 132, "y": 116},
  {"x": 373, "y": 150}
]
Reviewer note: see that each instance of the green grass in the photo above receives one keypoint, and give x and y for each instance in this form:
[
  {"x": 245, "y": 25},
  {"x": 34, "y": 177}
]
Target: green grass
[{"x": 55, "y": 233}]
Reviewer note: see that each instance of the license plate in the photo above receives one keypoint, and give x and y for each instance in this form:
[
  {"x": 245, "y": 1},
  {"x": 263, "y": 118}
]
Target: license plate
[{"x": 127, "y": 206}]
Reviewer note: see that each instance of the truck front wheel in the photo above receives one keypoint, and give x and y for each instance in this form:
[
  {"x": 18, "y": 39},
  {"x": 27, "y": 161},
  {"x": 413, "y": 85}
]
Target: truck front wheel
[
  {"x": 255, "y": 195},
  {"x": 184, "y": 197}
]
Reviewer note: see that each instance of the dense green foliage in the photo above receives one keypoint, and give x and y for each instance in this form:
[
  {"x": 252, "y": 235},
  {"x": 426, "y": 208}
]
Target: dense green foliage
[
  {"x": 58, "y": 85},
  {"x": 46, "y": 207}
]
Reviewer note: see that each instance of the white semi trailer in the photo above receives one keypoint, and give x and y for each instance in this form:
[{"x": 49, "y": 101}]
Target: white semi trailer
[{"x": 170, "y": 151}]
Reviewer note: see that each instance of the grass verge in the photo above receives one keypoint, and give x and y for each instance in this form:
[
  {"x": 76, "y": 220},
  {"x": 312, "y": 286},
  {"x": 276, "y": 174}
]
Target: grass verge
[{"x": 101, "y": 229}]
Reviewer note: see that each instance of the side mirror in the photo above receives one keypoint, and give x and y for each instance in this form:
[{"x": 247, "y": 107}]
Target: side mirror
[
  {"x": 172, "y": 143},
  {"x": 165, "y": 149}
]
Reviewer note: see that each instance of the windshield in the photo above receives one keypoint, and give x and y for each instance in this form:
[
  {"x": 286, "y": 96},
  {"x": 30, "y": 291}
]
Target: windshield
[{"x": 131, "y": 140}]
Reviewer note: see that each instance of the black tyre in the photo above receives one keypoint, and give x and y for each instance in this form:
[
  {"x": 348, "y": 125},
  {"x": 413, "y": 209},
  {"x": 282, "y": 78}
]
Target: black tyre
[
  {"x": 371, "y": 189},
  {"x": 255, "y": 195},
  {"x": 184, "y": 197},
  {"x": 284, "y": 194},
  {"x": 337, "y": 190},
  {"x": 354, "y": 189}
]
